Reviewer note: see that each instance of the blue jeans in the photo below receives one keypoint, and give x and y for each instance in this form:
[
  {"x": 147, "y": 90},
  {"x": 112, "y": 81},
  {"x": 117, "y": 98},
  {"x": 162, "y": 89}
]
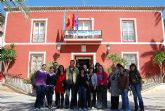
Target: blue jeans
[
  {"x": 49, "y": 94},
  {"x": 40, "y": 95},
  {"x": 125, "y": 100},
  {"x": 82, "y": 97},
  {"x": 136, "y": 90},
  {"x": 73, "y": 89}
]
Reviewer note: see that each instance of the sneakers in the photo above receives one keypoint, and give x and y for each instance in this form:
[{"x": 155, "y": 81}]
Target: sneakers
[
  {"x": 80, "y": 109},
  {"x": 50, "y": 106},
  {"x": 35, "y": 109}
]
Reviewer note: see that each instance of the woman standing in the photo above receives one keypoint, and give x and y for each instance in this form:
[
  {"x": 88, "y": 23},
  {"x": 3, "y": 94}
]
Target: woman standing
[
  {"x": 113, "y": 88},
  {"x": 93, "y": 86},
  {"x": 50, "y": 84},
  {"x": 59, "y": 89},
  {"x": 40, "y": 77},
  {"x": 135, "y": 82},
  {"x": 102, "y": 87},
  {"x": 82, "y": 89},
  {"x": 123, "y": 87}
]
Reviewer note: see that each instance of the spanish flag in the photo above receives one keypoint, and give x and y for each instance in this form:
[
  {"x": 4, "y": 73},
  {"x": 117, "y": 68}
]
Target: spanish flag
[{"x": 68, "y": 21}]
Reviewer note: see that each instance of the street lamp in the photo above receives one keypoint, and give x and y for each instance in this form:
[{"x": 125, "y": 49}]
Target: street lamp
[
  {"x": 163, "y": 44},
  {"x": 108, "y": 47},
  {"x": 58, "y": 47}
]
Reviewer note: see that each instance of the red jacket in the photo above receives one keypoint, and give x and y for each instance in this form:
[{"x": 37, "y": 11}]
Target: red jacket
[
  {"x": 102, "y": 78},
  {"x": 59, "y": 87}
]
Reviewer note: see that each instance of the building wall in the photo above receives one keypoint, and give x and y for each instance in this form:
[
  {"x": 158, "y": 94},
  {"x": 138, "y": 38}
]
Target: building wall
[{"x": 149, "y": 36}]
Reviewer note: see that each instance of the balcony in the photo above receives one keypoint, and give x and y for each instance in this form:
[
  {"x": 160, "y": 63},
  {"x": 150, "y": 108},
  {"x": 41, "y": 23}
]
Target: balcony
[{"x": 83, "y": 35}]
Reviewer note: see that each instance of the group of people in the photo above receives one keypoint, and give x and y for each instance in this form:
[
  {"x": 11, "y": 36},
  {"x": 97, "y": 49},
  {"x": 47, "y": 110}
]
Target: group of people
[
  {"x": 89, "y": 84},
  {"x": 120, "y": 82}
]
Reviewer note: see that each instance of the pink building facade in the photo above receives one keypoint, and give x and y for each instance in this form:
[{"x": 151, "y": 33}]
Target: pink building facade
[{"x": 134, "y": 33}]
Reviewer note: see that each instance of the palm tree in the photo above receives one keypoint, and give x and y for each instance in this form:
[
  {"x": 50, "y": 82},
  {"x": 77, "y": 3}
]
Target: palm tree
[
  {"x": 159, "y": 59},
  {"x": 21, "y": 4},
  {"x": 2, "y": 20},
  {"x": 8, "y": 56},
  {"x": 150, "y": 69}
]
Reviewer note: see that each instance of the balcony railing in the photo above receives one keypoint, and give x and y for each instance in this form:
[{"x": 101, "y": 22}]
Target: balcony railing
[{"x": 76, "y": 35}]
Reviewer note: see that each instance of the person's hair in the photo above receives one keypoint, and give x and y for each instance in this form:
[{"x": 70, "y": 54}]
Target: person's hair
[
  {"x": 59, "y": 72},
  {"x": 122, "y": 66},
  {"x": 101, "y": 67},
  {"x": 81, "y": 68},
  {"x": 97, "y": 64},
  {"x": 134, "y": 66},
  {"x": 118, "y": 65},
  {"x": 51, "y": 67},
  {"x": 55, "y": 63},
  {"x": 73, "y": 61},
  {"x": 43, "y": 65}
]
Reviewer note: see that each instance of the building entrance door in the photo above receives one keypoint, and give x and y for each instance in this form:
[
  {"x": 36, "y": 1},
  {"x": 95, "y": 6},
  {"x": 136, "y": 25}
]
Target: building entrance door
[{"x": 84, "y": 61}]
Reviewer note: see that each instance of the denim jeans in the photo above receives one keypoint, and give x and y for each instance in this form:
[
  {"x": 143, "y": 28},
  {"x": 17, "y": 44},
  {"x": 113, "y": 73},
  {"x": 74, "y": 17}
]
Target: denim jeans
[
  {"x": 49, "y": 94},
  {"x": 125, "y": 100},
  {"x": 40, "y": 95},
  {"x": 136, "y": 90},
  {"x": 102, "y": 97},
  {"x": 73, "y": 89},
  {"x": 82, "y": 97},
  {"x": 59, "y": 99}
]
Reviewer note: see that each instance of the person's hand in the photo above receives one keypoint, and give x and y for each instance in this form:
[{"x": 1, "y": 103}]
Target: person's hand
[
  {"x": 95, "y": 88},
  {"x": 101, "y": 83},
  {"x": 109, "y": 90},
  {"x": 87, "y": 82}
]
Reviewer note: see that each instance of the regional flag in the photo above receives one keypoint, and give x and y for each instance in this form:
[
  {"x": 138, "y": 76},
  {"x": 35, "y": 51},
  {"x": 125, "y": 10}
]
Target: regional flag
[
  {"x": 76, "y": 24},
  {"x": 73, "y": 22}
]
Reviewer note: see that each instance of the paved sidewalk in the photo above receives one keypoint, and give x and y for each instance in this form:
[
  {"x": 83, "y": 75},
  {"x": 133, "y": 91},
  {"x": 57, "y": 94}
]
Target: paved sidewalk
[{"x": 11, "y": 101}]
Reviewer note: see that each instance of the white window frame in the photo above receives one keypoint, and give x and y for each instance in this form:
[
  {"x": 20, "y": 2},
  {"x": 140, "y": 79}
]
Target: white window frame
[
  {"x": 137, "y": 57},
  {"x": 88, "y": 19},
  {"x": 32, "y": 27},
  {"x": 135, "y": 28},
  {"x": 29, "y": 61}
]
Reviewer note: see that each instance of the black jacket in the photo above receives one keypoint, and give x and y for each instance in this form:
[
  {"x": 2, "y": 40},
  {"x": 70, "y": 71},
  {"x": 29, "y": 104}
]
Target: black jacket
[
  {"x": 51, "y": 80},
  {"x": 81, "y": 81}
]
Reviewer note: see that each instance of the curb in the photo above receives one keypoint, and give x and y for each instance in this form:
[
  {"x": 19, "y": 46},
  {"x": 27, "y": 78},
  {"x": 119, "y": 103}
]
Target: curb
[{"x": 15, "y": 89}]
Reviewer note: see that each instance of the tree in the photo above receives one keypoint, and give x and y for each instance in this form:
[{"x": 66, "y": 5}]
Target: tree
[
  {"x": 21, "y": 4},
  {"x": 8, "y": 56},
  {"x": 159, "y": 59},
  {"x": 149, "y": 68},
  {"x": 116, "y": 59},
  {"x": 2, "y": 20}
]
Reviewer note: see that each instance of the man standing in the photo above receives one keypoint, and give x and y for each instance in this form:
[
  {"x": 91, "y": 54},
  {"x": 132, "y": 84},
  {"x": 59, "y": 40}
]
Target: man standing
[
  {"x": 71, "y": 80},
  {"x": 55, "y": 65}
]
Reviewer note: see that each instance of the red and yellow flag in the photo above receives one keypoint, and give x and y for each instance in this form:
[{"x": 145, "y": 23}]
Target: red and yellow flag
[{"x": 68, "y": 21}]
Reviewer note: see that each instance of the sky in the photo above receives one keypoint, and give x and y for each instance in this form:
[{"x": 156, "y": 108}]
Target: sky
[
  {"x": 97, "y": 2},
  {"x": 94, "y": 2}
]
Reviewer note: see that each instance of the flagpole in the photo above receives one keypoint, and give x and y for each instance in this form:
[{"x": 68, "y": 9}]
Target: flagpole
[
  {"x": 64, "y": 20},
  {"x": 77, "y": 22}
]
